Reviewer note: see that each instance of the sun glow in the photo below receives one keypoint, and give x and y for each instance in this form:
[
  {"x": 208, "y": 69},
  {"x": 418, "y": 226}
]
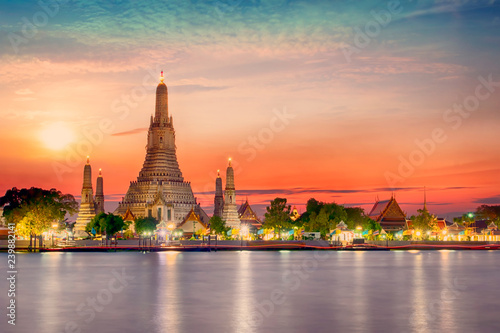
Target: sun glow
[{"x": 56, "y": 136}]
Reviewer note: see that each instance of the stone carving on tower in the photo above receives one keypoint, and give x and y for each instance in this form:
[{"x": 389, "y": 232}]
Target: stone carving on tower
[
  {"x": 87, "y": 207},
  {"x": 230, "y": 211},
  {"x": 160, "y": 190},
  {"x": 219, "y": 197}
]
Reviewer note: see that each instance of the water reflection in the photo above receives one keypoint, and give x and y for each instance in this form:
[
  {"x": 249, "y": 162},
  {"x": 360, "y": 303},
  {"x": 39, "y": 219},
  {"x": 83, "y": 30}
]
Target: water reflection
[
  {"x": 425, "y": 291},
  {"x": 360, "y": 290},
  {"x": 168, "y": 296},
  {"x": 420, "y": 312},
  {"x": 243, "y": 295}
]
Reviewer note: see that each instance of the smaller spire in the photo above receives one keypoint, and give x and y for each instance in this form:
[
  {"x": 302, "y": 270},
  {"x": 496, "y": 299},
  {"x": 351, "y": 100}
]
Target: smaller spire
[
  {"x": 88, "y": 159},
  {"x": 425, "y": 199},
  {"x": 161, "y": 77}
]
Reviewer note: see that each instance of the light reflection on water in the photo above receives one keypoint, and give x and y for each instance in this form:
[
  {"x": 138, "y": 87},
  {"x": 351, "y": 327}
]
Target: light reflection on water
[{"x": 419, "y": 291}]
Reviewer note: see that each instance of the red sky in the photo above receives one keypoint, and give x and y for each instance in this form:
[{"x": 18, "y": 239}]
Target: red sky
[{"x": 351, "y": 120}]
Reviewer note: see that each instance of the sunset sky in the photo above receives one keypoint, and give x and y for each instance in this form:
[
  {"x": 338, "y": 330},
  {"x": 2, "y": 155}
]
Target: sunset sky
[{"x": 324, "y": 99}]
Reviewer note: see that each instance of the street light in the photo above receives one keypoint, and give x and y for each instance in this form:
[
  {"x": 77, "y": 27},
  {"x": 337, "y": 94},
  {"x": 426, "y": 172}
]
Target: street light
[{"x": 54, "y": 226}]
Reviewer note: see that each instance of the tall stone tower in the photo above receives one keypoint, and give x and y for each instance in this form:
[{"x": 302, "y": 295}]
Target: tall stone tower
[
  {"x": 99, "y": 195},
  {"x": 219, "y": 198},
  {"x": 230, "y": 212},
  {"x": 160, "y": 190},
  {"x": 87, "y": 208}
]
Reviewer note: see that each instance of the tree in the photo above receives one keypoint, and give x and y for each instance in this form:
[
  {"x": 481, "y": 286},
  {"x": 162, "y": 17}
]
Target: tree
[
  {"x": 277, "y": 215},
  {"x": 486, "y": 212},
  {"x": 108, "y": 223},
  {"x": 145, "y": 224},
  {"x": 424, "y": 221},
  {"x": 320, "y": 222},
  {"x": 466, "y": 220},
  {"x": 372, "y": 225},
  {"x": 218, "y": 226},
  {"x": 356, "y": 217},
  {"x": 34, "y": 210}
]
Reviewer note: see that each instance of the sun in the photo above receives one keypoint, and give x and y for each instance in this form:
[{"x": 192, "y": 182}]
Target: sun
[{"x": 57, "y": 135}]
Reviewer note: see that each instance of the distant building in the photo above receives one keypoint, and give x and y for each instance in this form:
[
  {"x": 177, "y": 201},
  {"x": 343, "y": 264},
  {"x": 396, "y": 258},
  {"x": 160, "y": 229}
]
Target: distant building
[
  {"x": 342, "y": 233},
  {"x": 87, "y": 206},
  {"x": 294, "y": 214},
  {"x": 99, "y": 195},
  {"x": 248, "y": 217},
  {"x": 219, "y": 197},
  {"x": 389, "y": 215},
  {"x": 129, "y": 217},
  {"x": 192, "y": 224},
  {"x": 230, "y": 211},
  {"x": 90, "y": 206},
  {"x": 160, "y": 190}
]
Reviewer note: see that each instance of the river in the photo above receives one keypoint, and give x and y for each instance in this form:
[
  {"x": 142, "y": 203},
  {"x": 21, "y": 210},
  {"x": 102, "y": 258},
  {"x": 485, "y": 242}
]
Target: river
[{"x": 283, "y": 291}]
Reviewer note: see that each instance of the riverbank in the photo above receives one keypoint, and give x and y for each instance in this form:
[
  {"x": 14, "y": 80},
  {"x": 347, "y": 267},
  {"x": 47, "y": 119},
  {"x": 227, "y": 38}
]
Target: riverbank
[{"x": 198, "y": 246}]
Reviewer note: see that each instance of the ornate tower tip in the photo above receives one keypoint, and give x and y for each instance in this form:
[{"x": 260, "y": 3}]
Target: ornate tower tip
[
  {"x": 229, "y": 161},
  {"x": 161, "y": 77},
  {"x": 88, "y": 159},
  {"x": 100, "y": 172},
  {"x": 218, "y": 173}
]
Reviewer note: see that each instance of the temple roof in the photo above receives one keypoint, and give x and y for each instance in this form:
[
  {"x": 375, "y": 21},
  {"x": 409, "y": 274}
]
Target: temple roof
[
  {"x": 479, "y": 225},
  {"x": 190, "y": 217},
  {"x": 128, "y": 216},
  {"x": 387, "y": 209},
  {"x": 493, "y": 226},
  {"x": 246, "y": 213}
]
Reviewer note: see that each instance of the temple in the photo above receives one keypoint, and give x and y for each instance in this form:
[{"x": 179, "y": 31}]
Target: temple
[
  {"x": 89, "y": 206},
  {"x": 160, "y": 190},
  {"x": 249, "y": 218},
  {"x": 99, "y": 195},
  {"x": 219, "y": 198},
  {"x": 230, "y": 211},
  {"x": 388, "y": 214}
]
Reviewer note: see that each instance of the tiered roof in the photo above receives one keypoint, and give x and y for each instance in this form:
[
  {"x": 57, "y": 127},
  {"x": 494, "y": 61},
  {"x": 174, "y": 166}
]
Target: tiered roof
[{"x": 388, "y": 214}]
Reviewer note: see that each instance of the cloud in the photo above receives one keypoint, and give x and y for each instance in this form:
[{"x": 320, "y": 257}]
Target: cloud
[
  {"x": 493, "y": 200},
  {"x": 24, "y": 91},
  {"x": 24, "y": 99},
  {"x": 305, "y": 190},
  {"x": 191, "y": 88},
  {"x": 131, "y": 132},
  {"x": 27, "y": 115},
  {"x": 286, "y": 191}
]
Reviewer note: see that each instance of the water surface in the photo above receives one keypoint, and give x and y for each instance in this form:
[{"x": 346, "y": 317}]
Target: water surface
[{"x": 417, "y": 291}]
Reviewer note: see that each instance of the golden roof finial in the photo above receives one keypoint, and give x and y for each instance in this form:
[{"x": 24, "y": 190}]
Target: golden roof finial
[
  {"x": 230, "y": 161},
  {"x": 161, "y": 77},
  {"x": 218, "y": 173},
  {"x": 88, "y": 159},
  {"x": 100, "y": 172}
]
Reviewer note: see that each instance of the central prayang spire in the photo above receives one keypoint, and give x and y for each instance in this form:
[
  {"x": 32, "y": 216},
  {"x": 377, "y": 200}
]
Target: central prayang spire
[
  {"x": 160, "y": 190},
  {"x": 161, "y": 110}
]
